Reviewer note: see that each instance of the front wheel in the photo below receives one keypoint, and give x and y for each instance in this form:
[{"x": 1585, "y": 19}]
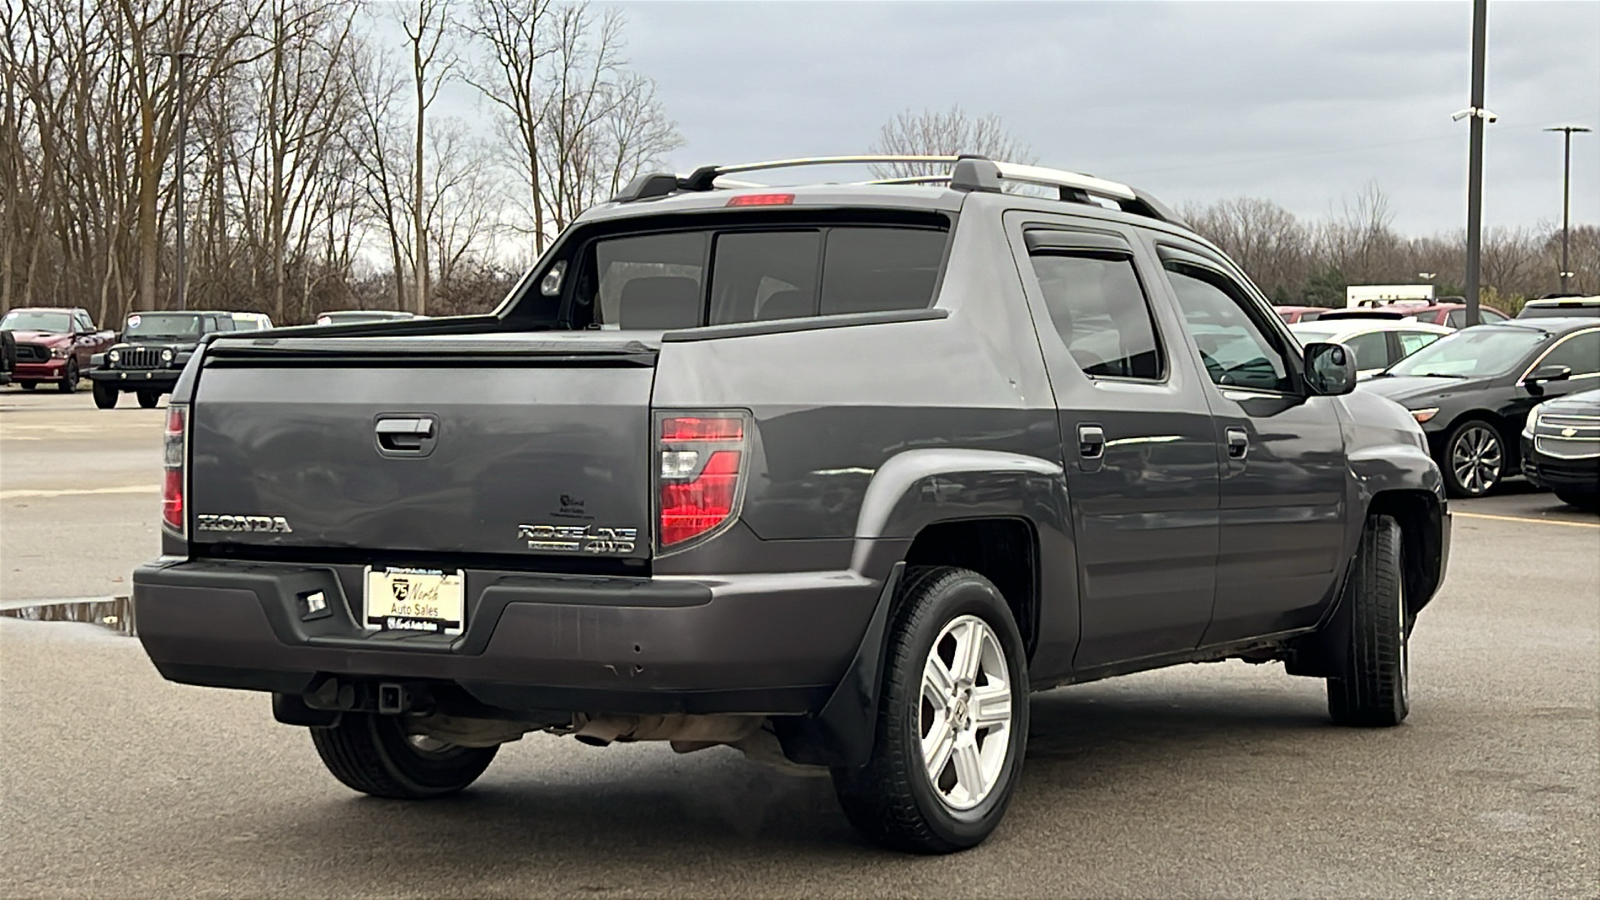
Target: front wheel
[
  {"x": 149, "y": 399},
  {"x": 105, "y": 396},
  {"x": 29, "y": 385},
  {"x": 374, "y": 755},
  {"x": 952, "y": 719},
  {"x": 1376, "y": 691},
  {"x": 69, "y": 379},
  {"x": 1474, "y": 459}
]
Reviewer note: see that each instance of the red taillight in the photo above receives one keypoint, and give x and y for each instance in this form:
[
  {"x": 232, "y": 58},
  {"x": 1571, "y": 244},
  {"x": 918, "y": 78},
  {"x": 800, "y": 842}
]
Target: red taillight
[
  {"x": 172, "y": 468},
  {"x": 761, "y": 200},
  {"x": 702, "y": 459}
]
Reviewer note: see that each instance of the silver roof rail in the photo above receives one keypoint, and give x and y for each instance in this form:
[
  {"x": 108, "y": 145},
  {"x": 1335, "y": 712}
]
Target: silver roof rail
[{"x": 967, "y": 173}]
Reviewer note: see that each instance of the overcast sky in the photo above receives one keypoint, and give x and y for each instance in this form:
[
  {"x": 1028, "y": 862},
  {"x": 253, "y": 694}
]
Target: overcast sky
[{"x": 1302, "y": 103}]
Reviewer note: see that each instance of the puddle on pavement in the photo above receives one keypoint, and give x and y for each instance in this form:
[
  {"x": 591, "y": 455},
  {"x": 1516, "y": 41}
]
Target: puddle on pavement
[{"x": 115, "y": 613}]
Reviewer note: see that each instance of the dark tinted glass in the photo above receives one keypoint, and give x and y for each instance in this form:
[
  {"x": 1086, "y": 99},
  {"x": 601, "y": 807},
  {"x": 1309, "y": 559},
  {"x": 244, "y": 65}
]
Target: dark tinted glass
[
  {"x": 651, "y": 281},
  {"x": 764, "y": 275},
  {"x": 1580, "y": 353},
  {"x": 1371, "y": 350},
  {"x": 880, "y": 269},
  {"x": 1101, "y": 314}
]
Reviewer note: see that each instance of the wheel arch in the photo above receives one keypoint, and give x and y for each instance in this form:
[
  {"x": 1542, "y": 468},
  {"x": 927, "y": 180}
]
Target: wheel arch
[{"x": 1424, "y": 540}]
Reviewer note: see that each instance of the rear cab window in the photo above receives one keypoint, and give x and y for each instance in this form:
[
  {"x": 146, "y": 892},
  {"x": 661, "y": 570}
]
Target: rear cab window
[{"x": 735, "y": 274}]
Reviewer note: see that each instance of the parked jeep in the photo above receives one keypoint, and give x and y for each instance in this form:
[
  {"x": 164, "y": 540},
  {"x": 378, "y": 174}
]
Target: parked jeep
[
  {"x": 833, "y": 474},
  {"x": 154, "y": 348}
]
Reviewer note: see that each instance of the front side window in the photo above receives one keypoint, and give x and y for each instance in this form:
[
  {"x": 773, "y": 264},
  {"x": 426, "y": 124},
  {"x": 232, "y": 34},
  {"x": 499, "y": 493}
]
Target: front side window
[
  {"x": 1100, "y": 313},
  {"x": 1234, "y": 348},
  {"x": 1580, "y": 353},
  {"x": 1371, "y": 350}
]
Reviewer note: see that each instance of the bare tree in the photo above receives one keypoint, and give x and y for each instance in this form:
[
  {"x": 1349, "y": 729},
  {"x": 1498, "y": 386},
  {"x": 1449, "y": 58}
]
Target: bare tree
[
  {"x": 934, "y": 133},
  {"x": 431, "y": 62},
  {"x": 512, "y": 77},
  {"x": 1265, "y": 239}
]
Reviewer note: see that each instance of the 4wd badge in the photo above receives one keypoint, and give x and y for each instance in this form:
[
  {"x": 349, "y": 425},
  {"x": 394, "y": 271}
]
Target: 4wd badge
[{"x": 581, "y": 538}]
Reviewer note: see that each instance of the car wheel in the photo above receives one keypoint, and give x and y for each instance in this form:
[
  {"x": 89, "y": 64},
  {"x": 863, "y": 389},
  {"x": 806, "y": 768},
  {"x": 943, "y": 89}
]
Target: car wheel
[
  {"x": 1376, "y": 691},
  {"x": 1474, "y": 459},
  {"x": 105, "y": 396},
  {"x": 374, "y": 755},
  {"x": 29, "y": 385},
  {"x": 1580, "y": 499},
  {"x": 952, "y": 719},
  {"x": 69, "y": 380},
  {"x": 149, "y": 399}
]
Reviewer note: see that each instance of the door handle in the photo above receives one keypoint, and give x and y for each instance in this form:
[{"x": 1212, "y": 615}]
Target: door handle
[
  {"x": 403, "y": 434},
  {"x": 1091, "y": 441},
  {"x": 1238, "y": 443}
]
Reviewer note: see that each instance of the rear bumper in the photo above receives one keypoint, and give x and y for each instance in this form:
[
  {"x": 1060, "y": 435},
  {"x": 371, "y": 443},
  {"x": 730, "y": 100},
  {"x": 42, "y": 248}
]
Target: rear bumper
[
  {"x": 772, "y": 643},
  {"x": 1582, "y": 475},
  {"x": 137, "y": 379}
]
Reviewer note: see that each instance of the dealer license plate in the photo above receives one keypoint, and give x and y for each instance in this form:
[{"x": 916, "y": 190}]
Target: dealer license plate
[{"x": 400, "y": 598}]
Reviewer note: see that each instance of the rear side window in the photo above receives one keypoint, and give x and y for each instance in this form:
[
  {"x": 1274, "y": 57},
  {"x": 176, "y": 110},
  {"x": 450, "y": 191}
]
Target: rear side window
[
  {"x": 1101, "y": 314},
  {"x": 1371, "y": 350},
  {"x": 663, "y": 281}
]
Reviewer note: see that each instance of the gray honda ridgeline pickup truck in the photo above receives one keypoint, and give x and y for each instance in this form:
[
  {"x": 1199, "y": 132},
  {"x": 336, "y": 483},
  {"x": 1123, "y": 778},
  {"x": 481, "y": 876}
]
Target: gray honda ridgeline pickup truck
[{"x": 834, "y": 474}]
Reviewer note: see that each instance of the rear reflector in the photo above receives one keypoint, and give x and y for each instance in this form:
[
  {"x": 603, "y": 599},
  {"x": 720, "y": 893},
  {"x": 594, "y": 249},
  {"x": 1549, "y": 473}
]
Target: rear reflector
[
  {"x": 761, "y": 200},
  {"x": 702, "y": 461},
  {"x": 172, "y": 462}
]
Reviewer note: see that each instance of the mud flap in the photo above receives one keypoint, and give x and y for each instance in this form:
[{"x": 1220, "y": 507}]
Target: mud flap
[{"x": 841, "y": 734}]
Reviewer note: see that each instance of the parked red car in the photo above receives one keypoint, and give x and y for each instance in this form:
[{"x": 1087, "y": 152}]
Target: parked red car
[
  {"x": 54, "y": 345},
  {"x": 1293, "y": 314},
  {"x": 1450, "y": 315}
]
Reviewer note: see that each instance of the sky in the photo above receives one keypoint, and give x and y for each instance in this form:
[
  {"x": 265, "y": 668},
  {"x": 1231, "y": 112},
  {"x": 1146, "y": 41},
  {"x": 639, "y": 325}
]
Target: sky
[
  {"x": 1298, "y": 102},
  {"x": 1302, "y": 103}
]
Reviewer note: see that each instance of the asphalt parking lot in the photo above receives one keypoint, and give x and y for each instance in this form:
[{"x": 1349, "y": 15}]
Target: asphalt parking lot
[{"x": 1197, "y": 781}]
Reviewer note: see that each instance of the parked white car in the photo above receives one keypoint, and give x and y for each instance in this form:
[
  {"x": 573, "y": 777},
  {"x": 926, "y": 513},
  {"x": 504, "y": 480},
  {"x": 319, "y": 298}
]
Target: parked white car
[{"x": 1377, "y": 343}]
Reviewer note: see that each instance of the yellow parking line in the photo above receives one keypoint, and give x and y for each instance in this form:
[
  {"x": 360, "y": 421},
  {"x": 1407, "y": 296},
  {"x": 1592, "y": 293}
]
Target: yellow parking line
[
  {"x": 75, "y": 492},
  {"x": 1466, "y": 515}
]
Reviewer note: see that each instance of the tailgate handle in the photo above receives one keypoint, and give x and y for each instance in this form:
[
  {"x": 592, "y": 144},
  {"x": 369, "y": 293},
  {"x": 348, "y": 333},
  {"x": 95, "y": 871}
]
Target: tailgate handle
[{"x": 401, "y": 435}]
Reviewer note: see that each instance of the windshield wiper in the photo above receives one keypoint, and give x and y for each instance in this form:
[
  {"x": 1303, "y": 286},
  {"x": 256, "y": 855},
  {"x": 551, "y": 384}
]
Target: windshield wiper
[{"x": 1438, "y": 375}]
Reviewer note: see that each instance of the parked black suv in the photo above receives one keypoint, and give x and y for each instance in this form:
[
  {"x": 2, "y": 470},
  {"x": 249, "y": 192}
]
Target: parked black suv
[
  {"x": 153, "y": 349},
  {"x": 833, "y": 474}
]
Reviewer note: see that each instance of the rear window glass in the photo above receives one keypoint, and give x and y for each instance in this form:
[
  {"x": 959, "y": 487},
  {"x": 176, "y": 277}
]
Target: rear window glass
[{"x": 659, "y": 281}]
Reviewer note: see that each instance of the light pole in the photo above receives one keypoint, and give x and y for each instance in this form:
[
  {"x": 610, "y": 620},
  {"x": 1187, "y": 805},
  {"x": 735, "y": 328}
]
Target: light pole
[
  {"x": 1480, "y": 30},
  {"x": 181, "y": 58},
  {"x": 1566, "y": 195}
]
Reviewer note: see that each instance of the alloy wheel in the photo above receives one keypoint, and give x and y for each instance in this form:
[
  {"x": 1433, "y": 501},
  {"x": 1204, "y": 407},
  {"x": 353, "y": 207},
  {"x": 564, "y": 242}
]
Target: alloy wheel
[
  {"x": 1476, "y": 458},
  {"x": 965, "y": 713}
]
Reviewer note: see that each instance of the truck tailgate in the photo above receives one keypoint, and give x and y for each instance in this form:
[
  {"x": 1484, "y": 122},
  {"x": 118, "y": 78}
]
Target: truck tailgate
[{"x": 435, "y": 444}]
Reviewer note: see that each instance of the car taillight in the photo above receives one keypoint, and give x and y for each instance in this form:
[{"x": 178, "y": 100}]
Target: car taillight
[
  {"x": 173, "y": 453},
  {"x": 702, "y": 461}
]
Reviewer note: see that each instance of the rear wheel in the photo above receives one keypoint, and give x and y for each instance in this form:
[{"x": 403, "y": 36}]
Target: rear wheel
[
  {"x": 149, "y": 399},
  {"x": 1376, "y": 691},
  {"x": 952, "y": 719},
  {"x": 105, "y": 396},
  {"x": 373, "y": 754},
  {"x": 1474, "y": 459},
  {"x": 69, "y": 378}
]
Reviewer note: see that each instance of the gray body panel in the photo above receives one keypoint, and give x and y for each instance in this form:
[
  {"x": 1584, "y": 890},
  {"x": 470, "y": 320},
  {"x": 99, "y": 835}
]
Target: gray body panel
[{"x": 862, "y": 437}]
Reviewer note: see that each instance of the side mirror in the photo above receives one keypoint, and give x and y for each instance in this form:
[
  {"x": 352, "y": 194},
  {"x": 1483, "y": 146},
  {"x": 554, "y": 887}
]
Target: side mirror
[
  {"x": 1330, "y": 369},
  {"x": 1536, "y": 379}
]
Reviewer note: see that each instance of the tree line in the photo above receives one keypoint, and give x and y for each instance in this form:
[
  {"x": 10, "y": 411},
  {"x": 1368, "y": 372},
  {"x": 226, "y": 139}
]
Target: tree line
[{"x": 321, "y": 170}]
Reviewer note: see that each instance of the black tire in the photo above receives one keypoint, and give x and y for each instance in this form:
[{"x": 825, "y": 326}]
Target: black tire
[
  {"x": 1589, "y": 500},
  {"x": 148, "y": 399},
  {"x": 29, "y": 385},
  {"x": 1474, "y": 459},
  {"x": 105, "y": 396},
  {"x": 69, "y": 379},
  {"x": 893, "y": 800},
  {"x": 372, "y": 754},
  {"x": 1376, "y": 693}
]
